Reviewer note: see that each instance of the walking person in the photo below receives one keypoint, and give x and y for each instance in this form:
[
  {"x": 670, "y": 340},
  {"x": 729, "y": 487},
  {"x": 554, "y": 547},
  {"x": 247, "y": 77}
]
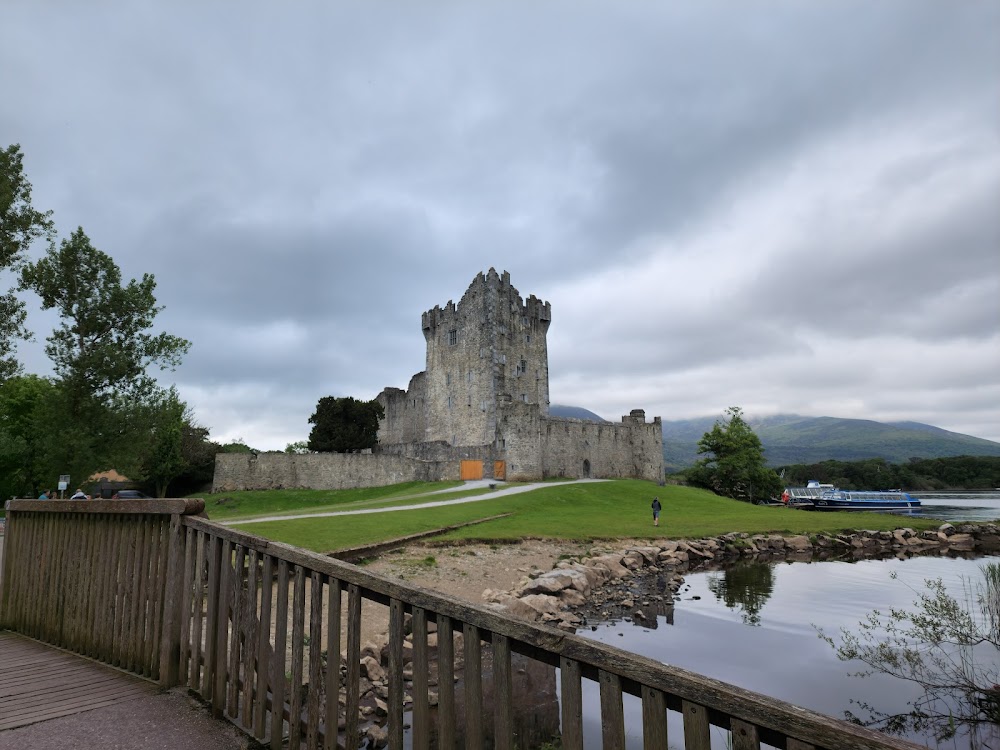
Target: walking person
[{"x": 656, "y": 511}]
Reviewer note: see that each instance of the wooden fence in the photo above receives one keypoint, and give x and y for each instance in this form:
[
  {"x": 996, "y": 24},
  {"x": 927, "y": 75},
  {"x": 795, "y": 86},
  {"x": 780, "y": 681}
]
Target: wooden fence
[{"x": 248, "y": 623}]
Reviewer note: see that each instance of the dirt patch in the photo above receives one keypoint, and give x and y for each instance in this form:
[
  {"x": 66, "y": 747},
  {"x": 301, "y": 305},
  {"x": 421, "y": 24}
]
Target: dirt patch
[{"x": 464, "y": 571}]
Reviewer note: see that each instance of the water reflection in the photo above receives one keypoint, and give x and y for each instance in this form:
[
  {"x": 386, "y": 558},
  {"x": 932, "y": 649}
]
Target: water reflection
[
  {"x": 722, "y": 629},
  {"x": 748, "y": 584},
  {"x": 958, "y": 506}
]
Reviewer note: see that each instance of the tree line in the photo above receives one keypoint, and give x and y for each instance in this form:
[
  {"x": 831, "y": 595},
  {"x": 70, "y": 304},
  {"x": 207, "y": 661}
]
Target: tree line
[
  {"x": 734, "y": 466},
  {"x": 957, "y": 472},
  {"x": 101, "y": 408}
]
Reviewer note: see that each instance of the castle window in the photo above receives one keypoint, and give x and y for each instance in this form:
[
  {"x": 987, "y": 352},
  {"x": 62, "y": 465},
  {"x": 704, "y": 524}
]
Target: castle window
[
  {"x": 524, "y": 366},
  {"x": 447, "y": 378},
  {"x": 524, "y": 397},
  {"x": 527, "y": 338},
  {"x": 453, "y": 337},
  {"x": 468, "y": 376},
  {"x": 449, "y": 402}
]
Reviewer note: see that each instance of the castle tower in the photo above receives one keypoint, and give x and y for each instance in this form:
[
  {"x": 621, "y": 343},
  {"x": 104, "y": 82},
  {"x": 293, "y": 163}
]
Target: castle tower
[{"x": 487, "y": 351}]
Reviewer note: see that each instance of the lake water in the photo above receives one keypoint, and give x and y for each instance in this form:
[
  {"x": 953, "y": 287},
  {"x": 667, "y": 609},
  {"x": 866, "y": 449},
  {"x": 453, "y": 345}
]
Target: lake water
[
  {"x": 756, "y": 625},
  {"x": 958, "y": 506}
]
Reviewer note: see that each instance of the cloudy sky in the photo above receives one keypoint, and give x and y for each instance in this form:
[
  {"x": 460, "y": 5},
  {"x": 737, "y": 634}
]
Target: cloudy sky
[{"x": 789, "y": 206}]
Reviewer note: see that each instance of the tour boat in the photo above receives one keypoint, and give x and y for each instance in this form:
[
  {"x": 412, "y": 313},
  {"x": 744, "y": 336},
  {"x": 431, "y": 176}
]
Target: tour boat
[
  {"x": 804, "y": 495},
  {"x": 834, "y": 499}
]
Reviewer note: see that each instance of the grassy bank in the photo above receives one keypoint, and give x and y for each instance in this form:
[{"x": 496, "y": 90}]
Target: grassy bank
[
  {"x": 226, "y": 506},
  {"x": 588, "y": 511}
]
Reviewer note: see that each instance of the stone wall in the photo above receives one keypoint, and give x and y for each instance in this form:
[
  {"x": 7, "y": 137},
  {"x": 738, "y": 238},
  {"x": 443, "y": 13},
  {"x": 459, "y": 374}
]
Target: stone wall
[
  {"x": 405, "y": 413},
  {"x": 518, "y": 437},
  {"x": 324, "y": 471},
  {"x": 580, "y": 449}
]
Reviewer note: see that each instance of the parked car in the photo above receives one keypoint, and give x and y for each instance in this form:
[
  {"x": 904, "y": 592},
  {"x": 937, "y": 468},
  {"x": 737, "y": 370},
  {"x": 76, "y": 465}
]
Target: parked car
[{"x": 130, "y": 495}]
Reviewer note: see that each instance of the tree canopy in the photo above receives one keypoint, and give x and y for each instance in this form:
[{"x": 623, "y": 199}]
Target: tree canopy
[
  {"x": 344, "y": 425},
  {"x": 736, "y": 466},
  {"x": 103, "y": 346},
  {"x": 20, "y": 225}
]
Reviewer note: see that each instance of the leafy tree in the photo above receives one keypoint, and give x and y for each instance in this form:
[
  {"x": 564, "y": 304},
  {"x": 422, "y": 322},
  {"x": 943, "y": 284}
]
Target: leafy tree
[
  {"x": 102, "y": 348},
  {"x": 298, "y": 447},
  {"x": 164, "y": 457},
  {"x": 736, "y": 467},
  {"x": 199, "y": 458},
  {"x": 20, "y": 224},
  {"x": 344, "y": 425},
  {"x": 949, "y": 647},
  {"x": 23, "y": 403},
  {"x": 237, "y": 446}
]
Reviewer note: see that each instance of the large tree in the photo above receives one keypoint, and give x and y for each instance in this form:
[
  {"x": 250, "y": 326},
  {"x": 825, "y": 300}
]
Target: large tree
[
  {"x": 163, "y": 457},
  {"x": 25, "y": 402},
  {"x": 735, "y": 466},
  {"x": 103, "y": 347},
  {"x": 102, "y": 350},
  {"x": 20, "y": 224},
  {"x": 344, "y": 425}
]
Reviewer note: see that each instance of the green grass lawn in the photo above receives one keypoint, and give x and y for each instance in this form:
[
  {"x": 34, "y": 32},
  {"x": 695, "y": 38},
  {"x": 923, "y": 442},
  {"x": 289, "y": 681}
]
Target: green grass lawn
[
  {"x": 225, "y": 506},
  {"x": 588, "y": 511}
]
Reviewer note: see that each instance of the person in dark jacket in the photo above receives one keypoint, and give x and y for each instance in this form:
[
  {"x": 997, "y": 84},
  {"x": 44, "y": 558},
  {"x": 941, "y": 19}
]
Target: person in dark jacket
[{"x": 656, "y": 511}]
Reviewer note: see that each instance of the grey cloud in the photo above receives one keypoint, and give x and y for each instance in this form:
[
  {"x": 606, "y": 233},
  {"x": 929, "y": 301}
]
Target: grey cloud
[{"x": 305, "y": 182}]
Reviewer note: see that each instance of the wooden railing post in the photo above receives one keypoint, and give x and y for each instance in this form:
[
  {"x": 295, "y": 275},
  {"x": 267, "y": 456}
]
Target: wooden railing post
[
  {"x": 6, "y": 578},
  {"x": 173, "y": 596}
]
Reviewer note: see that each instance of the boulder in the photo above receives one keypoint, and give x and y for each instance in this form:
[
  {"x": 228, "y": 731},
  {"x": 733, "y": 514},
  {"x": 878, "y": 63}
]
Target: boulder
[
  {"x": 633, "y": 560},
  {"x": 515, "y": 608},
  {"x": 649, "y": 554},
  {"x": 572, "y": 598},
  {"x": 798, "y": 543},
  {"x": 543, "y": 605},
  {"x": 961, "y": 541},
  {"x": 547, "y": 584},
  {"x": 692, "y": 549},
  {"x": 372, "y": 669},
  {"x": 613, "y": 563}
]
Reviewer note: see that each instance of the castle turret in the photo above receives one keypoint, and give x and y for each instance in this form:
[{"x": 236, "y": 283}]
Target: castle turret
[{"x": 489, "y": 349}]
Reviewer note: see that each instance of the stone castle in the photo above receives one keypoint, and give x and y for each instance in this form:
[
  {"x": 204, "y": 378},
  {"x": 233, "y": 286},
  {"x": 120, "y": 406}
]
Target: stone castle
[{"x": 480, "y": 409}]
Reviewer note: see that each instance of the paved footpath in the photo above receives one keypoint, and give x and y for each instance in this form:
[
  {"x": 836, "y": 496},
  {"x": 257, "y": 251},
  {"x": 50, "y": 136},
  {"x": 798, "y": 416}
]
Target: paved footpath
[{"x": 499, "y": 492}]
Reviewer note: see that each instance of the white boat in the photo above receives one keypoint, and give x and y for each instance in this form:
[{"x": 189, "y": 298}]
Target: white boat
[
  {"x": 865, "y": 500},
  {"x": 804, "y": 495}
]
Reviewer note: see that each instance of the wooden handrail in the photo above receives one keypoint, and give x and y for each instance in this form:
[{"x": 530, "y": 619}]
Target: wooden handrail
[
  {"x": 183, "y": 506},
  {"x": 254, "y": 626}
]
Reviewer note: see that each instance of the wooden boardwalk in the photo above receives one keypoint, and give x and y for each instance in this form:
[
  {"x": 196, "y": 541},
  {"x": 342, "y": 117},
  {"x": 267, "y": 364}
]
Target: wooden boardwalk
[{"x": 39, "y": 682}]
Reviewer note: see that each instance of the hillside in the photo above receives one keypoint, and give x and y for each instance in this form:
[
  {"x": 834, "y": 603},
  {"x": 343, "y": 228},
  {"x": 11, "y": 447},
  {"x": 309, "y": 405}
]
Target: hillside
[
  {"x": 574, "y": 412},
  {"x": 793, "y": 439}
]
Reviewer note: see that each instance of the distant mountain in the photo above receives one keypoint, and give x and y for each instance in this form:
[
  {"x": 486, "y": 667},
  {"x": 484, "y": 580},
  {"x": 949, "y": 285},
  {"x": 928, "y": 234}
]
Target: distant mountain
[
  {"x": 574, "y": 412},
  {"x": 794, "y": 439}
]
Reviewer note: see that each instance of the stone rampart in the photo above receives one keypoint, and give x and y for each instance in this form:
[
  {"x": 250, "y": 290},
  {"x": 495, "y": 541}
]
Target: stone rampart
[
  {"x": 324, "y": 471},
  {"x": 607, "y": 450}
]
